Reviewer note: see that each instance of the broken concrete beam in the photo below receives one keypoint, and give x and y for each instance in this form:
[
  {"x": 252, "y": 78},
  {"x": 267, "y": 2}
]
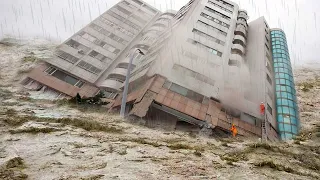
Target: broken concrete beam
[{"x": 140, "y": 109}]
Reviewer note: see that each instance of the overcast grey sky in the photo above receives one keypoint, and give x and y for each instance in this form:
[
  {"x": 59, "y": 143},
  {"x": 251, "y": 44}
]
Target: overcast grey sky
[{"x": 59, "y": 19}]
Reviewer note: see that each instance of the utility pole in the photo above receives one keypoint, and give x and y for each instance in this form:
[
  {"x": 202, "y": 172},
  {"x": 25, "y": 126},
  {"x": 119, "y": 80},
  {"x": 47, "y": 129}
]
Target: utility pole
[{"x": 126, "y": 84}]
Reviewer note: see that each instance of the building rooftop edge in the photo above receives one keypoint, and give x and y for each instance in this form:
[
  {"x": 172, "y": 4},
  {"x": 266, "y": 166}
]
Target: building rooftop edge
[
  {"x": 155, "y": 8},
  {"x": 171, "y": 11},
  {"x": 276, "y": 29}
]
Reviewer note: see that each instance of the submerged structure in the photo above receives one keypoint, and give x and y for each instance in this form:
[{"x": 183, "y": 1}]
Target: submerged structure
[{"x": 203, "y": 66}]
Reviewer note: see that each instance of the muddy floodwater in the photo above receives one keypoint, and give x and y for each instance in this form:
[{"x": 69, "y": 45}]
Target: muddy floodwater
[{"x": 45, "y": 139}]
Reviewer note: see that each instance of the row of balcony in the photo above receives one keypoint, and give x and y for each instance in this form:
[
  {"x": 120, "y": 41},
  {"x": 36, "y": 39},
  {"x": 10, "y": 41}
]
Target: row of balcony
[
  {"x": 240, "y": 38},
  {"x": 243, "y": 14},
  {"x": 116, "y": 78}
]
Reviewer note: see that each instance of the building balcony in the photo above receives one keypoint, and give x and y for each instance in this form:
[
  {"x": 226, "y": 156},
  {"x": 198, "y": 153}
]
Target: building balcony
[
  {"x": 141, "y": 46},
  {"x": 126, "y": 60},
  {"x": 243, "y": 22},
  {"x": 120, "y": 72},
  {"x": 243, "y": 15},
  {"x": 164, "y": 23},
  {"x": 111, "y": 85},
  {"x": 241, "y": 30},
  {"x": 240, "y": 39},
  {"x": 173, "y": 12},
  {"x": 148, "y": 42},
  {"x": 236, "y": 57},
  {"x": 157, "y": 28},
  {"x": 234, "y": 72},
  {"x": 243, "y": 11},
  {"x": 235, "y": 60},
  {"x": 238, "y": 48},
  {"x": 166, "y": 16},
  {"x": 151, "y": 33},
  {"x": 125, "y": 65}
]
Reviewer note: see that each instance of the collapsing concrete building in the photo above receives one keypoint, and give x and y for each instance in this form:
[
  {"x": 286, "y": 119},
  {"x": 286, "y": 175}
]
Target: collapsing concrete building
[{"x": 203, "y": 65}]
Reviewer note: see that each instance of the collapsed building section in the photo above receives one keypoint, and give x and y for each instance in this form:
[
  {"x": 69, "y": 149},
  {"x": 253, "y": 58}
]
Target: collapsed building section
[{"x": 159, "y": 97}]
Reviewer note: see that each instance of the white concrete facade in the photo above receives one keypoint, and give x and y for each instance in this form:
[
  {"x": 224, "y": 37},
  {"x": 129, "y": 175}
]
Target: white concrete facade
[
  {"x": 207, "y": 47},
  {"x": 259, "y": 61},
  {"x": 235, "y": 62},
  {"x": 101, "y": 43}
]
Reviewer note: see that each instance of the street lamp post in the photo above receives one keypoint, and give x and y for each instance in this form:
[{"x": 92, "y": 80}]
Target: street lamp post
[{"x": 126, "y": 84}]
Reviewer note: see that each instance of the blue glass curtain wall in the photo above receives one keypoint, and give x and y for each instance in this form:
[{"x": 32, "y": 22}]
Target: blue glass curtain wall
[{"x": 286, "y": 100}]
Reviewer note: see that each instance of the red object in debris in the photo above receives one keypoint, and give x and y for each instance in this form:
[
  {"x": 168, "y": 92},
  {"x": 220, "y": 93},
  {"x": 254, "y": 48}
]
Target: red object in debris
[{"x": 262, "y": 109}]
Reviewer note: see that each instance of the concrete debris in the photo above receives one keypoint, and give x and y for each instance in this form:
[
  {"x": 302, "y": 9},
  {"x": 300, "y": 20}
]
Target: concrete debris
[
  {"x": 11, "y": 162},
  {"x": 9, "y": 174},
  {"x": 37, "y": 127},
  {"x": 141, "y": 108},
  {"x": 10, "y": 167},
  {"x": 66, "y": 153}
]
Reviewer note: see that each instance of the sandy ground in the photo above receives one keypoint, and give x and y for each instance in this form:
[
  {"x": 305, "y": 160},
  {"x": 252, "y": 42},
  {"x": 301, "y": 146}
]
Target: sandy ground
[{"x": 35, "y": 143}]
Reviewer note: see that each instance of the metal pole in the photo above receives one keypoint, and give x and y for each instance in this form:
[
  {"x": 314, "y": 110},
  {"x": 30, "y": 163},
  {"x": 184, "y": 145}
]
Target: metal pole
[{"x": 125, "y": 90}]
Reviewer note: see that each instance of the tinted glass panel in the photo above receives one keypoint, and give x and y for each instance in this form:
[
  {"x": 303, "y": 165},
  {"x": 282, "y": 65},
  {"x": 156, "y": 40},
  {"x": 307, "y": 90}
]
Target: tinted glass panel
[{"x": 286, "y": 100}]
